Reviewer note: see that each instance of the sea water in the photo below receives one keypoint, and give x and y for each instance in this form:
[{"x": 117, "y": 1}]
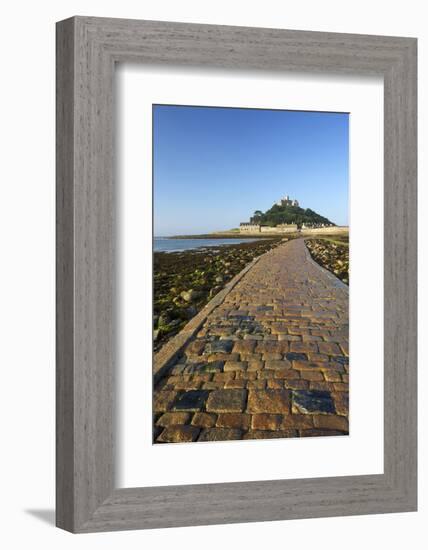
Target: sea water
[{"x": 166, "y": 244}]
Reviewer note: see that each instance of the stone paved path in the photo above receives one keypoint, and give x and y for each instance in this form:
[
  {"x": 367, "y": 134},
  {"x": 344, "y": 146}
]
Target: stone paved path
[{"x": 270, "y": 361}]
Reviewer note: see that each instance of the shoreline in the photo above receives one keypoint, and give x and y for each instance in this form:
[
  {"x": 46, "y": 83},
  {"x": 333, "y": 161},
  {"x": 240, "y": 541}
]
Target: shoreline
[
  {"x": 229, "y": 235},
  {"x": 213, "y": 244},
  {"x": 236, "y": 234}
]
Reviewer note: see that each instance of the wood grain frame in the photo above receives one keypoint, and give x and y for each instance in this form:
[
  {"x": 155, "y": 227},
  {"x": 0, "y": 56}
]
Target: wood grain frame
[{"x": 87, "y": 50}]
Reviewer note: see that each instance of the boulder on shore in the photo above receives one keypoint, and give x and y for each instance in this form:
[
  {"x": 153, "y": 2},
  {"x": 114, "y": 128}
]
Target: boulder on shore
[{"x": 191, "y": 295}]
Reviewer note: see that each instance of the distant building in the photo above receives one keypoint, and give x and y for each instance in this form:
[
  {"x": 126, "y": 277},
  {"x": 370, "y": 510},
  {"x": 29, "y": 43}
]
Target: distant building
[
  {"x": 287, "y": 227},
  {"x": 316, "y": 225},
  {"x": 253, "y": 227},
  {"x": 286, "y": 201},
  {"x": 246, "y": 227},
  {"x": 258, "y": 228}
]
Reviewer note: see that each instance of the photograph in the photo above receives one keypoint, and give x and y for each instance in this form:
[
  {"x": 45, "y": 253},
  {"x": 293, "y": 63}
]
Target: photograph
[{"x": 250, "y": 274}]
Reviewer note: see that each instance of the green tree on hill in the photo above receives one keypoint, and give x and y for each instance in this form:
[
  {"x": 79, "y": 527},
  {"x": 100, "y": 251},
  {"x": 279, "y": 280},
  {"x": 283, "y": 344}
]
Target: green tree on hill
[
  {"x": 289, "y": 214},
  {"x": 257, "y": 216}
]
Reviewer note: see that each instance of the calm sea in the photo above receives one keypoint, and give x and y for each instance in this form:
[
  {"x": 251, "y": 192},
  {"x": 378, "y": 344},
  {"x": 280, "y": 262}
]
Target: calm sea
[{"x": 165, "y": 244}]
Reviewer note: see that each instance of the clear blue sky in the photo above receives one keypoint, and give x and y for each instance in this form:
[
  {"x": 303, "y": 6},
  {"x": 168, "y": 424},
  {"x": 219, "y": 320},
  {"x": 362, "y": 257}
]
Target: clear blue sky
[{"x": 213, "y": 167}]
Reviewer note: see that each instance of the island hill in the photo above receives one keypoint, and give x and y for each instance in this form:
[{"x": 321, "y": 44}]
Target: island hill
[{"x": 285, "y": 216}]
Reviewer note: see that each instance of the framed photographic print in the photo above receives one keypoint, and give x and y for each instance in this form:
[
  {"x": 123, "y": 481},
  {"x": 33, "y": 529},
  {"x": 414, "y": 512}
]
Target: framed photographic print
[
  {"x": 236, "y": 274},
  {"x": 271, "y": 359}
]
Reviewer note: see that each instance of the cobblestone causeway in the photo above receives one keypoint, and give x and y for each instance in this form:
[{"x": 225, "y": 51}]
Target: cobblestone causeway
[{"x": 270, "y": 361}]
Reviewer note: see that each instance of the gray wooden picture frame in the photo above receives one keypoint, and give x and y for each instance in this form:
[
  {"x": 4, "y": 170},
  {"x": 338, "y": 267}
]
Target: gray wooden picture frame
[{"x": 87, "y": 50}]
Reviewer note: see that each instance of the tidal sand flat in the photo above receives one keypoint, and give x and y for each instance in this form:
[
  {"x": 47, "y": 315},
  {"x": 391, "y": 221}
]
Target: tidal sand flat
[{"x": 184, "y": 281}]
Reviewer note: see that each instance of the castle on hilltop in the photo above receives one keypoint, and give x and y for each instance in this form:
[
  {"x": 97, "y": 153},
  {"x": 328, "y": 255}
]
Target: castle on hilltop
[
  {"x": 256, "y": 225},
  {"x": 286, "y": 201}
]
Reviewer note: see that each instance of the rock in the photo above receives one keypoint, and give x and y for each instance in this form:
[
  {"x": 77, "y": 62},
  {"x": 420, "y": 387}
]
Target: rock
[
  {"x": 191, "y": 312},
  {"x": 162, "y": 400},
  {"x": 220, "y": 434},
  {"x": 199, "y": 368},
  {"x": 219, "y": 279},
  {"x": 192, "y": 400},
  {"x": 292, "y": 356},
  {"x": 227, "y": 400},
  {"x": 204, "y": 420},
  {"x": 178, "y": 434},
  {"x": 330, "y": 422},
  {"x": 265, "y": 421},
  {"x": 268, "y": 401},
  {"x": 340, "y": 359},
  {"x": 312, "y": 402},
  {"x": 234, "y": 420},
  {"x": 164, "y": 319},
  {"x": 191, "y": 295},
  {"x": 196, "y": 347},
  {"x": 218, "y": 346},
  {"x": 173, "y": 419},
  {"x": 156, "y": 334}
]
